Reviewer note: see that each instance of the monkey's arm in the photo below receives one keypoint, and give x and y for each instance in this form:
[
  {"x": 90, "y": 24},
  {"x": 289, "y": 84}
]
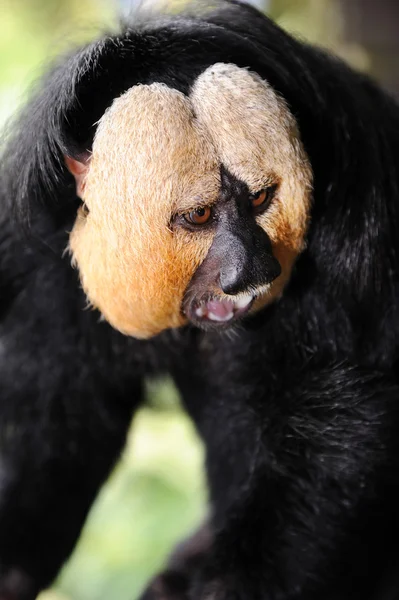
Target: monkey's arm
[
  {"x": 296, "y": 480},
  {"x": 63, "y": 414}
]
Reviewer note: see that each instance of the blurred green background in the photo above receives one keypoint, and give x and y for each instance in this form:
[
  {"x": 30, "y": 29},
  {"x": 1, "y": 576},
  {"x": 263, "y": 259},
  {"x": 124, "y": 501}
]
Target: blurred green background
[{"x": 157, "y": 494}]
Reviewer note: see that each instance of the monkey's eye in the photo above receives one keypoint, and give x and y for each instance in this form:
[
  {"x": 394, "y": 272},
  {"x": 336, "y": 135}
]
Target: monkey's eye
[
  {"x": 199, "y": 216},
  {"x": 263, "y": 197}
]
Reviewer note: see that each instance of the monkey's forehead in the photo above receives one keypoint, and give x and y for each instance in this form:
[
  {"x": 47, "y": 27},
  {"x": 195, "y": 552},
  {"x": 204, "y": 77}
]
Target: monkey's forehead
[{"x": 227, "y": 108}]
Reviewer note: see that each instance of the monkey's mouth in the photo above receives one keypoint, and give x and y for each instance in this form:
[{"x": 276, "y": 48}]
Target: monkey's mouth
[{"x": 219, "y": 311}]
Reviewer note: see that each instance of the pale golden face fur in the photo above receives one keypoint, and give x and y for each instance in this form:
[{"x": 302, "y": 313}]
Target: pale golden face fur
[{"x": 157, "y": 153}]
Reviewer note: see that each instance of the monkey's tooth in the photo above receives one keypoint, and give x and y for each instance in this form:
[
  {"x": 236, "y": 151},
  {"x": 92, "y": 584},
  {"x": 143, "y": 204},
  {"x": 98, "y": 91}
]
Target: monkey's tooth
[
  {"x": 213, "y": 317},
  {"x": 200, "y": 311},
  {"x": 243, "y": 301}
]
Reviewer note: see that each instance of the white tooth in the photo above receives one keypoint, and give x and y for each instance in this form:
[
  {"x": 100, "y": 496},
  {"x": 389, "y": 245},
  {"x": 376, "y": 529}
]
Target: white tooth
[
  {"x": 214, "y": 317},
  {"x": 243, "y": 301},
  {"x": 200, "y": 311}
]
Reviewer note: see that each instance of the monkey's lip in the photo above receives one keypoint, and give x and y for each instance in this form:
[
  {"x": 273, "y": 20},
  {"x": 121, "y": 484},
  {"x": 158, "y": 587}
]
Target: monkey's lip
[{"x": 221, "y": 310}]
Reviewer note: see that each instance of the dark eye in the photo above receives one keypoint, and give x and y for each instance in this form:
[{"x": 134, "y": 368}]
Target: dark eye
[
  {"x": 263, "y": 197},
  {"x": 199, "y": 216}
]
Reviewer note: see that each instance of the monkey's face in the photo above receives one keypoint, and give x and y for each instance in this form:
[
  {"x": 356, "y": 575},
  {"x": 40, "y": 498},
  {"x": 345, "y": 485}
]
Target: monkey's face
[{"x": 195, "y": 208}]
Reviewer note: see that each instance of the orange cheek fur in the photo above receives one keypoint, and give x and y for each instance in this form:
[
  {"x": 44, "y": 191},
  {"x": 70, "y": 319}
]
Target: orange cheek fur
[{"x": 142, "y": 296}]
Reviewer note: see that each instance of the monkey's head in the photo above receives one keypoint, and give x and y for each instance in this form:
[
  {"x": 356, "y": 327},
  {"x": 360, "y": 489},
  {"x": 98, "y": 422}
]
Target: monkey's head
[{"x": 194, "y": 207}]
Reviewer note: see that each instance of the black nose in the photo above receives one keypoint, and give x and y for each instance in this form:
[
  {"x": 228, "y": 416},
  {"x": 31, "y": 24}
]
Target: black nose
[
  {"x": 232, "y": 279},
  {"x": 246, "y": 262},
  {"x": 261, "y": 271}
]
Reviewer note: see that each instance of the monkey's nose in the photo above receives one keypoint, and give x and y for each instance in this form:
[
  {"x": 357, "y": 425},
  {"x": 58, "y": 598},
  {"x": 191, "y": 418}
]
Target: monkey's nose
[
  {"x": 239, "y": 275},
  {"x": 231, "y": 280}
]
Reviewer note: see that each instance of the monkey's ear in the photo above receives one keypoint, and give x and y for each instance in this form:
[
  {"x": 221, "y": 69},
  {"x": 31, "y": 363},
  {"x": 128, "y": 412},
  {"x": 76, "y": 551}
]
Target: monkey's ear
[{"x": 79, "y": 169}]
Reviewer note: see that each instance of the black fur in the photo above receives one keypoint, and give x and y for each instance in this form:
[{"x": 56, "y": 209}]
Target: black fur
[{"x": 299, "y": 409}]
